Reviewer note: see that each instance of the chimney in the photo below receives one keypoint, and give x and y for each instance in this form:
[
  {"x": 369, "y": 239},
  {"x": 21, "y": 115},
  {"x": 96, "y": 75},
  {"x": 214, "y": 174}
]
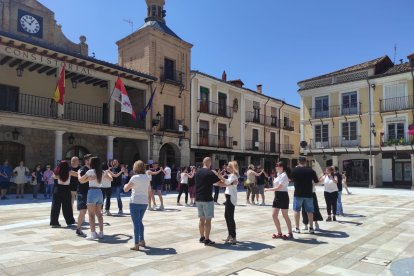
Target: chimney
[
  {"x": 224, "y": 76},
  {"x": 259, "y": 89},
  {"x": 411, "y": 59}
]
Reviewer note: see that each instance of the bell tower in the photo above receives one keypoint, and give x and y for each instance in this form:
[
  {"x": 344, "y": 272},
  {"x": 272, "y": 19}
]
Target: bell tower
[{"x": 155, "y": 10}]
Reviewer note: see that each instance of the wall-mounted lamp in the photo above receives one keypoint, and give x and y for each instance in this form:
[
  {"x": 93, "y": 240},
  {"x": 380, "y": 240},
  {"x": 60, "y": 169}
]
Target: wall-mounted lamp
[
  {"x": 71, "y": 139},
  {"x": 373, "y": 131},
  {"x": 15, "y": 134},
  {"x": 74, "y": 84},
  {"x": 157, "y": 121},
  {"x": 19, "y": 71},
  {"x": 373, "y": 86},
  {"x": 324, "y": 157}
]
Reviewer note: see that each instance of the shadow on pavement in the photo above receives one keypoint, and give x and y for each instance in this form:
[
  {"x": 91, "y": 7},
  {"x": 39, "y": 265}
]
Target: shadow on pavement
[
  {"x": 155, "y": 251},
  {"x": 244, "y": 246},
  {"x": 349, "y": 222},
  {"x": 307, "y": 241},
  {"x": 354, "y": 216},
  {"x": 166, "y": 210},
  {"x": 116, "y": 239},
  {"x": 331, "y": 234}
]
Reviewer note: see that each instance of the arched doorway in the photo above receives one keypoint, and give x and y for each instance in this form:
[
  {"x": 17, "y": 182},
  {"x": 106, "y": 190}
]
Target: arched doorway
[
  {"x": 170, "y": 155},
  {"x": 14, "y": 152},
  {"x": 76, "y": 151}
]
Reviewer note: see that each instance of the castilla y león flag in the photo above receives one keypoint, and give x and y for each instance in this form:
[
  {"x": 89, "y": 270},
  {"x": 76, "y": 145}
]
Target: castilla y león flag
[
  {"x": 59, "y": 94},
  {"x": 120, "y": 95}
]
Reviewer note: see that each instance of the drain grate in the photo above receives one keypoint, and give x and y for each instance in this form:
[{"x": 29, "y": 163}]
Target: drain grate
[
  {"x": 375, "y": 261},
  {"x": 250, "y": 272}
]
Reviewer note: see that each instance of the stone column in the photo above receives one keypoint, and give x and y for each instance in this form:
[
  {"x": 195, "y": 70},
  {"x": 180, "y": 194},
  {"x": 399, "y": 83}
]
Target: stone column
[
  {"x": 262, "y": 162},
  {"x": 231, "y": 157},
  {"x": 412, "y": 171},
  {"x": 335, "y": 160},
  {"x": 248, "y": 160},
  {"x": 110, "y": 148},
  {"x": 214, "y": 161},
  {"x": 58, "y": 145},
  {"x": 111, "y": 103}
]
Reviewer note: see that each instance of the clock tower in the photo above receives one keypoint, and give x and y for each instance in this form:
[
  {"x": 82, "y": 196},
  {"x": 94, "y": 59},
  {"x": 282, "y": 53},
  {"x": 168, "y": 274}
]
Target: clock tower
[{"x": 158, "y": 51}]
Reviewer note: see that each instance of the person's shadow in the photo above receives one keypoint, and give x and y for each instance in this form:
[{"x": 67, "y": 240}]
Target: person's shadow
[
  {"x": 170, "y": 210},
  {"x": 307, "y": 241},
  {"x": 155, "y": 251},
  {"x": 349, "y": 222},
  {"x": 116, "y": 239},
  {"x": 354, "y": 216},
  {"x": 243, "y": 246},
  {"x": 331, "y": 234}
]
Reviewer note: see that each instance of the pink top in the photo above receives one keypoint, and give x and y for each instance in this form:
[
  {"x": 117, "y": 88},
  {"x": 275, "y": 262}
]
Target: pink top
[{"x": 48, "y": 177}]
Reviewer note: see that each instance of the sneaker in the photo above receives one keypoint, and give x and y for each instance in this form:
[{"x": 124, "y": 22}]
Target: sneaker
[
  {"x": 317, "y": 226},
  {"x": 232, "y": 241},
  {"x": 208, "y": 242},
  {"x": 93, "y": 236},
  {"x": 120, "y": 212},
  {"x": 149, "y": 208},
  {"x": 263, "y": 204},
  {"x": 80, "y": 233},
  {"x": 329, "y": 218},
  {"x": 202, "y": 239},
  {"x": 161, "y": 208},
  {"x": 55, "y": 226},
  {"x": 296, "y": 230},
  {"x": 311, "y": 231},
  {"x": 179, "y": 204},
  {"x": 101, "y": 235},
  {"x": 248, "y": 202},
  {"x": 108, "y": 213},
  {"x": 334, "y": 218},
  {"x": 305, "y": 227}
]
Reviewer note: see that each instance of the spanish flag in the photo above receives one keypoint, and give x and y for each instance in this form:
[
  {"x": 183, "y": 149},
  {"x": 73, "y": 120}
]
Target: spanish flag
[{"x": 60, "y": 87}]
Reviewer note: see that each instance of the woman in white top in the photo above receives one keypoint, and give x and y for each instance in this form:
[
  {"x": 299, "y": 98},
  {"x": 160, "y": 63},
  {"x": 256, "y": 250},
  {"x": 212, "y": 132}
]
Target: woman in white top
[
  {"x": 184, "y": 185},
  {"x": 20, "y": 178},
  {"x": 281, "y": 201},
  {"x": 62, "y": 197},
  {"x": 251, "y": 187},
  {"x": 330, "y": 182},
  {"x": 231, "y": 199},
  {"x": 141, "y": 187},
  {"x": 95, "y": 176}
]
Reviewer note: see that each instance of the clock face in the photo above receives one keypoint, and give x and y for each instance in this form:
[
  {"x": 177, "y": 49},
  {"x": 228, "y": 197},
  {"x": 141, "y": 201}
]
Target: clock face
[{"x": 29, "y": 24}]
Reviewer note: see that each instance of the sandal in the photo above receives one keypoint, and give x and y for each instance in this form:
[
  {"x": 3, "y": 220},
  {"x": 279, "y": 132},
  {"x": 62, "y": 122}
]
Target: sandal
[
  {"x": 277, "y": 236},
  {"x": 135, "y": 248},
  {"x": 288, "y": 236}
]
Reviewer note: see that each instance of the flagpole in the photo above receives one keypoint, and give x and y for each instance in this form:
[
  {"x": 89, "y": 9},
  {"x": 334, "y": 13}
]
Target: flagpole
[{"x": 109, "y": 103}]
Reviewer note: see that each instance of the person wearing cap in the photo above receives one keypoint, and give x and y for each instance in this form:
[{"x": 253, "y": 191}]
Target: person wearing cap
[{"x": 303, "y": 176}]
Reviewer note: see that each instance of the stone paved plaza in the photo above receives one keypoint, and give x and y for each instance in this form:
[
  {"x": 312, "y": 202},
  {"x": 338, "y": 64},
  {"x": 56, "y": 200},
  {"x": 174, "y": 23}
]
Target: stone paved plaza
[{"x": 375, "y": 237}]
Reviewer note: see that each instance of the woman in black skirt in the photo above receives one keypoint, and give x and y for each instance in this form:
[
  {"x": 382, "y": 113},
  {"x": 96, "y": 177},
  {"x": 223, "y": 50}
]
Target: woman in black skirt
[
  {"x": 281, "y": 201},
  {"x": 316, "y": 214}
]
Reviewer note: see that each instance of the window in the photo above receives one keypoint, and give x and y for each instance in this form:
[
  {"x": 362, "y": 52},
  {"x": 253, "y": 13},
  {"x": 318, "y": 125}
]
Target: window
[
  {"x": 321, "y": 136},
  {"x": 321, "y": 107},
  {"x": 204, "y": 97},
  {"x": 255, "y": 139},
  {"x": 273, "y": 116},
  {"x": 349, "y": 103},
  {"x": 169, "y": 69},
  {"x": 204, "y": 133},
  {"x": 349, "y": 134},
  {"x": 396, "y": 131},
  {"x": 256, "y": 112},
  {"x": 153, "y": 10},
  {"x": 222, "y": 135},
  {"x": 272, "y": 142},
  {"x": 394, "y": 98},
  {"x": 9, "y": 96},
  {"x": 169, "y": 117},
  {"x": 159, "y": 11},
  {"x": 222, "y": 104}
]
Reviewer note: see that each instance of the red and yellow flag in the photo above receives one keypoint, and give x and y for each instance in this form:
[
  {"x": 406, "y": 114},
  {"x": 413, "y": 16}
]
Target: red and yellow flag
[{"x": 60, "y": 87}]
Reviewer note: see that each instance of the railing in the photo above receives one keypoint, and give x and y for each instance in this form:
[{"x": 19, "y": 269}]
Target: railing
[
  {"x": 169, "y": 125},
  {"x": 175, "y": 77},
  {"x": 30, "y": 105},
  {"x": 83, "y": 113},
  {"x": 272, "y": 121},
  {"x": 125, "y": 120},
  {"x": 394, "y": 104},
  {"x": 208, "y": 140},
  {"x": 395, "y": 141},
  {"x": 215, "y": 108},
  {"x": 254, "y": 118},
  {"x": 335, "y": 111},
  {"x": 287, "y": 148},
  {"x": 272, "y": 148},
  {"x": 335, "y": 142},
  {"x": 254, "y": 145},
  {"x": 289, "y": 125}
]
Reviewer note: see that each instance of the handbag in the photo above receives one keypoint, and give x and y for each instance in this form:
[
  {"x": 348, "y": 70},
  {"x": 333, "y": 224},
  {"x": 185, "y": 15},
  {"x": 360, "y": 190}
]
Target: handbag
[{"x": 33, "y": 182}]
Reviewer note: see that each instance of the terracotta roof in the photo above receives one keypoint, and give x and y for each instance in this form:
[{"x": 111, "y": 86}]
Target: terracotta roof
[
  {"x": 397, "y": 69},
  {"x": 354, "y": 68}
]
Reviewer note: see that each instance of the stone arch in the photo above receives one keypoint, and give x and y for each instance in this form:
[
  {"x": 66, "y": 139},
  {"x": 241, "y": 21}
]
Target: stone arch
[
  {"x": 78, "y": 151},
  {"x": 13, "y": 152},
  {"x": 170, "y": 155}
]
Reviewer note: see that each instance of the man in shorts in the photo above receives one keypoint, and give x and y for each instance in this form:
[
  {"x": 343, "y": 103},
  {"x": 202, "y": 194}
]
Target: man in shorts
[
  {"x": 303, "y": 176},
  {"x": 82, "y": 195},
  {"x": 167, "y": 178},
  {"x": 205, "y": 179}
]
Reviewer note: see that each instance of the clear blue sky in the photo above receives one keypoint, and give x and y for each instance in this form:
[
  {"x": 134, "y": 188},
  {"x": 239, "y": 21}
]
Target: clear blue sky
[{"x": 272, "y": 42}]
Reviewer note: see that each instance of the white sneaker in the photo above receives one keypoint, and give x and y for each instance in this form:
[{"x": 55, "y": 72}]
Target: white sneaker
[
  {"x": 149, "y": 208},
  {"x": 100, "y": 235},
  {"x": 305, "y": 227},
  {"x": 92, "y": 236},
  {"x": 108, "y": 213},
  {"x": 317, "y": 226},
  {"x": 161, "y": 208},
  {"x": 263, "y": 204}
]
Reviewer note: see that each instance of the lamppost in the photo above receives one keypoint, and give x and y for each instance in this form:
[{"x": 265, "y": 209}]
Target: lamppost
[{"x": 372, "y": 132}]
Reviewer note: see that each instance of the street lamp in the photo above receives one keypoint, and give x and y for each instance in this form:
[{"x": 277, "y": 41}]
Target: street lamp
[
  {"x": 71, "y": 139},
  {"x": 19, "y": 71},
  {"x": 372, "y": 133}
]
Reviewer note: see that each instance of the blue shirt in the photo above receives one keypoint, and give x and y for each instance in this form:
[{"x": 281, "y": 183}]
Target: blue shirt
[{"x": 6, "y": 170}]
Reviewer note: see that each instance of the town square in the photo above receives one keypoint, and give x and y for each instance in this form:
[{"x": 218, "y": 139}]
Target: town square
[{"x": 218, "y": 137}]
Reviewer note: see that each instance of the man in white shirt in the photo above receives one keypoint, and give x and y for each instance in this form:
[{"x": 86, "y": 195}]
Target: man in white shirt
[{"x": 167, "y": 178}]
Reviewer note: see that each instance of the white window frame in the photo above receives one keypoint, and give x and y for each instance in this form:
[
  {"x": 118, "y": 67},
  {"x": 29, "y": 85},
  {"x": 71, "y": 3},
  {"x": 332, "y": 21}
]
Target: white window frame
[
  {"x": 388, "y": 84},
  {"x": 314, "y": 102},
  {"x": 358, "y": 131},
  {"x": 392, "y": 119},
  {"x": 314, "y": 135},
  {"x": 346, "y": 92}
]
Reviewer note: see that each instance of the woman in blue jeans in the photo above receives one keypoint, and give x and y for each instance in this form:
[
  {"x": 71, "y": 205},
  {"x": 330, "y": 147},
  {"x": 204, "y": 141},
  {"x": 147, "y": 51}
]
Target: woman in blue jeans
[{"x": 140, "y": 186}]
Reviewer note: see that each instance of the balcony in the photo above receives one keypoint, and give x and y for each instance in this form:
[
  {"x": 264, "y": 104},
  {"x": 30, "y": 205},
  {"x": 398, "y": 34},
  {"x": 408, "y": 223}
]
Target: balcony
[
  {"x": 173, "y": 76},
  {"x": 83, "y": 113},
  {"x": 335, "y": 111},
  {"x": 335, "y": 142},
  {"x": 272, "y": 148},
  {"x": 289, "y": 125},
  {"x": 287, "y": 149},
  {"x": 272, "y": 121},
  {"x": 395, "y": 141},
  {"x": 125, "y": 120},
  {"x": 208, "y": 140},
  {"x": 170, "y": 125},
  {"x": 215, "y": 109},
  {"x": 30, "y": 105},
  {"x": 395, "y": 104},
  {"x": 254, "y": 145},
  {"x": 251, "y": 117}
]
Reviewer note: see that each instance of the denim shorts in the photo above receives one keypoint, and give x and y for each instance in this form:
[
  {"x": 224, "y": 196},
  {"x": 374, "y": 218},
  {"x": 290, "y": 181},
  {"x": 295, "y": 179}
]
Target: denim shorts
[
  {"x": 95, "y": 197},
  {"x": 306, "y": 201},
  {"x": 205, "y": 209}
]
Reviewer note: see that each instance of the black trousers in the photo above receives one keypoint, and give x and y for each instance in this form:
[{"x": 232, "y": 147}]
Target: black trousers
[
  {"x": 183, "y": 188},
  {"x": 316, "y": 214},
  {"x": 216, "y": 193},
  {"x": 62, "y": 198},
  {"x": 229, "y": 216},
  {"x": 331, "y": 199},
  {"x": 107, "y": 193}
]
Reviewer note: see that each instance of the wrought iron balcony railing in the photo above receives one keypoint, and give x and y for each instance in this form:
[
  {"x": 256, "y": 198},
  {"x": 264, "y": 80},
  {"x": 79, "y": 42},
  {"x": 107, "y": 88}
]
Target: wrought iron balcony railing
[
  {"x": 335, "y": 111},
  {"x": 335, "y": 142},
  {"x": 289, "y": 125},
  {"x": 395, "y": 104},
  {"x": 217, "y": 141},
  {"x": 175, "y": 77},
  {"x": 254, "y": 145},
  {"x": 29, "y": 105},
  {"x": 272, "y": 148},
  {"x": 287, "y": 148},
  {"x": 215, "y": 108}
]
